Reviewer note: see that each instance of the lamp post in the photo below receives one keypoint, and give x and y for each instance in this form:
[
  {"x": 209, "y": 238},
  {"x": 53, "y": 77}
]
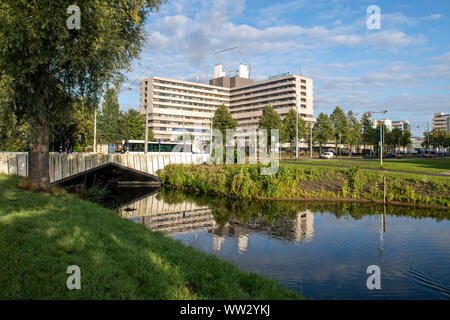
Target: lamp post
[
  {"x": 381, "y": 145},
  {"x": 310, "y": 140},
  {"x": 296, "y": 132},
  {"x": 369, "y": 113},
  {"x": 146, "y": 113},
  {"x": 95, "y": 130},
  {"x": 210, "y": 137}
]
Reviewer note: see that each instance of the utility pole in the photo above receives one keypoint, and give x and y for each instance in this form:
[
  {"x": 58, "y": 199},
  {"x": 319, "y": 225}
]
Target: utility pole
[
  {"x": 310, "y": 140},
  {"x": 95, "y": 130},
  {"x": 146, "y": 113},
  {"x": 381, "y": 134},
  {"x": 184, "y": 140},
  {"x": 296, "y": 132},
  {"x": 381, "y": 146},
  {"x": 210, "y": 137}
]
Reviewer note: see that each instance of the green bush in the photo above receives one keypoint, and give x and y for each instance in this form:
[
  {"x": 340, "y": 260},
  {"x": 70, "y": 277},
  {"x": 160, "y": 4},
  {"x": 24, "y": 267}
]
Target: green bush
[{"x": 246, "y": 181}]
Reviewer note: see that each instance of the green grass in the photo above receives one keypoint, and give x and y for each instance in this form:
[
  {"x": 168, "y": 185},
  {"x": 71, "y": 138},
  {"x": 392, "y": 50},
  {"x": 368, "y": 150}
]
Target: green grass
[
  {"x": 42, "y": 234},
  {"x": 411, "y": 165}
]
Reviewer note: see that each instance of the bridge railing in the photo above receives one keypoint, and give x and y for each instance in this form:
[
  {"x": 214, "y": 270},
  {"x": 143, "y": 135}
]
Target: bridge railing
[{"x": 65, "y": 165}]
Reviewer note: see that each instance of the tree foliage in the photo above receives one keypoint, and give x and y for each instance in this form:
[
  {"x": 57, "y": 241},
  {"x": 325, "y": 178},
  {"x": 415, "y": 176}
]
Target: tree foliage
[
  {"x": 354, "y": 135},
  {"x": 109, "y": 120},
  {"x": 134, "y": 126},
  {"x": 438, "y": 138},
  {"x": 369, "y": 134},
  {"x": 289, "y": 127},
  {"x": 45, "y": 66},
  {"x": 270, "y": 120},
  {"x": 323, "y": 130},
  {"x": 223, "y": 120},
  {"x": 341, "y": 126}
]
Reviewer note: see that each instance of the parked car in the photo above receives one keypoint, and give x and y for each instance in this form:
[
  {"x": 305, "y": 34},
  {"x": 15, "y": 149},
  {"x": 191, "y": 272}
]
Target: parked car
[
  {"x": 327, "y": 155},
  {"x": 426, "y": 154}
]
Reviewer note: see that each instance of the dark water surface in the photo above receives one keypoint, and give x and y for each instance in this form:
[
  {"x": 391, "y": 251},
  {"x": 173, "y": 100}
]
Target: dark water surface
[{"x": 319, "y": 250}]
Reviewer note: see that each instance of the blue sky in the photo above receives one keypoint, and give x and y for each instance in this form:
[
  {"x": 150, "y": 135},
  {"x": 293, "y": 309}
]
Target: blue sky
[{"x": 403, "y": 67}]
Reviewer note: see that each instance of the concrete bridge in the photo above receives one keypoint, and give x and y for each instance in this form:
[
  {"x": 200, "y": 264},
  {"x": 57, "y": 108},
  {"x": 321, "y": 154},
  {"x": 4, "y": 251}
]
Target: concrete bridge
[{"x": 63, "y": 166}]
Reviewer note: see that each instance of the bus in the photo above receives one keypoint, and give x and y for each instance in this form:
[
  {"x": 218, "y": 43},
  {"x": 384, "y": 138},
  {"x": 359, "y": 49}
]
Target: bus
[{"x": 137, "y": 146}]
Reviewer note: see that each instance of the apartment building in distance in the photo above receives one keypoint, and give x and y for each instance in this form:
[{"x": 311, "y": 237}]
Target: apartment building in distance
[
  {"x": 404, "y": 125},
  {"x": 177, "y": 106},
  {"x": 386, "y": 122},
  {"x": 441, "y": 121}
]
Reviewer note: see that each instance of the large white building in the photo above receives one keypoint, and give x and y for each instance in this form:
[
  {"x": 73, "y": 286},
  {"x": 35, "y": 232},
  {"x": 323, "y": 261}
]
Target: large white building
[
  {"x": 177, "y": 106},
  {"x": 441, "y": 121},
  {"x": 404, "y": 125}
]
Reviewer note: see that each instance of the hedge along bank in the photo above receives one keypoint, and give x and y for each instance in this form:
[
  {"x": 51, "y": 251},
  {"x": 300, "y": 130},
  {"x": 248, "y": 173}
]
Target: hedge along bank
[{"x": 306, "y": 183}]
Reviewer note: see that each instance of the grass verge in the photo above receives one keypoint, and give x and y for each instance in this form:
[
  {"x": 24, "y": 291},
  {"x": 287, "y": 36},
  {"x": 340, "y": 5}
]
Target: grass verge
[
  {"x": 43, "y": 234},
  {"x": 309, "y": 183},
  {"x": 409, "y": 165}
]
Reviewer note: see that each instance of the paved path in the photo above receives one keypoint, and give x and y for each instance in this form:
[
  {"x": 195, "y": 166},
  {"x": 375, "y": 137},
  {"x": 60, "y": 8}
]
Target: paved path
[{"x": 365, "y": 168}]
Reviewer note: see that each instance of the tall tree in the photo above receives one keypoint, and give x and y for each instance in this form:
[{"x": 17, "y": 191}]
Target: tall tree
[
  {"x": 323, "y": 130},
  {"x": 395, "y": 139},
  {"x": 223, "y": 120},
  {"x": 49, "y": 58},
  {"x": 83, "y": 116},
  {"x": 133, "y": 125},
  {"x": 438, "y": 138},
  {"x": 369, "y": 133},
  {"x": 289, "y": 128},
  {"x": 270, "y": 120},
  {"x": 405, "y": 140},
  {"x": 110, "y": 124},
  {"x": 340, "y": 125},
  {"x": 354, "y": 136}
]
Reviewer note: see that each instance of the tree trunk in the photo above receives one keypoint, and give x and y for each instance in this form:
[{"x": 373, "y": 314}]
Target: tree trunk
[{"x": 39, "y": 151}]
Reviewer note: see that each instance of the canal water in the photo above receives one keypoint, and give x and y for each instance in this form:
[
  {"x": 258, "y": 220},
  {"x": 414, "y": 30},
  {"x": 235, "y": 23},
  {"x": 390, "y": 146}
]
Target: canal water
[{"x": 321, "y": 251}]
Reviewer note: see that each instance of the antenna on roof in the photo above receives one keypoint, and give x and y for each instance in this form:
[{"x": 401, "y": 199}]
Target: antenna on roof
[
  {"x": 235, "y": 51},
  {"x": 301, "y": 71}
]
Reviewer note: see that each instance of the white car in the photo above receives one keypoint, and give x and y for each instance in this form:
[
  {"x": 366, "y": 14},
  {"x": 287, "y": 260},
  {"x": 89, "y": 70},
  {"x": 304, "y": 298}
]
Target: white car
[{"x": 327, "y": 155}]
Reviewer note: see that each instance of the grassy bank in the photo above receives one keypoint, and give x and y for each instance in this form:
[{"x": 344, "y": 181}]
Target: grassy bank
[
  {"x": 309, "y": 183},
  {"x": 43, "y": 234},
  {"x": 410, "y": 165}
]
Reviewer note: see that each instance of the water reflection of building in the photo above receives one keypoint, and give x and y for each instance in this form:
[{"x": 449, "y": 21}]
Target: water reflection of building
[
  {"x": 299, "y": 229},
  {"x": 169, "y": 219},
  {"x": 304, "y": 228},
  {"x": 184, "y": 217},
  {"x": 231, "y": 229}
]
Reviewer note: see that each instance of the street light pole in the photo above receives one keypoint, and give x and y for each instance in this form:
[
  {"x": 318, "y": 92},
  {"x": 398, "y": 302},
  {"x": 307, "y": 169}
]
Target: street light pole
[
  {"x": 95, "y": 130},
  {"x": 381, "y": 146},
  {"x": 310, "y": 140},
  {"x": 210, "y": 137},
  {"x": 296, "y": 132},
  {"x": 146, "y": 113}
]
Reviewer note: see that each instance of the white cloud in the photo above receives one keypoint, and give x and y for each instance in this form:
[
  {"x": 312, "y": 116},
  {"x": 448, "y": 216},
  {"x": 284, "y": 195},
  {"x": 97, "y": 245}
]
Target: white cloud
[
  {"x": 183, "y": 38},
  {"x": 397, "y": 18}
]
